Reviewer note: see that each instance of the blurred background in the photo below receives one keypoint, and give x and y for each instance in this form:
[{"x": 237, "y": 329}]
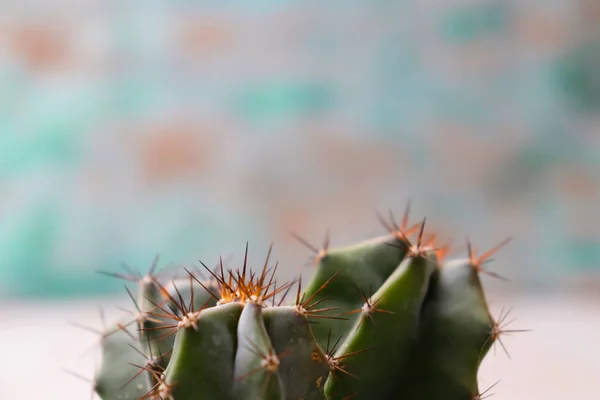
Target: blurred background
[{"x": 186, "y": 128}]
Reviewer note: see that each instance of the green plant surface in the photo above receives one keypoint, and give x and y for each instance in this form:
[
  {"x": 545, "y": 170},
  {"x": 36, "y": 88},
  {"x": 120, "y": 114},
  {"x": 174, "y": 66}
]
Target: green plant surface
[{"x": 388, "y": 318}]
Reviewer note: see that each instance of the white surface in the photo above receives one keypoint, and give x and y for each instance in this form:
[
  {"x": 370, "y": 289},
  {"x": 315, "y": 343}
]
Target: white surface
[{"x": 559, "y": 360}]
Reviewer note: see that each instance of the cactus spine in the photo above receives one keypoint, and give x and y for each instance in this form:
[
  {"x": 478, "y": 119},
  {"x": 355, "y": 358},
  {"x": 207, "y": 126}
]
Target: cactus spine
[{"x": 388, "y": 318}]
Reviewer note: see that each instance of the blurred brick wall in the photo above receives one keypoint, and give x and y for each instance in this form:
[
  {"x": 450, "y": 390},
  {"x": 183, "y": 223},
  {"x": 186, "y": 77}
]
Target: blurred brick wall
[{"x": 129, "y": 128}]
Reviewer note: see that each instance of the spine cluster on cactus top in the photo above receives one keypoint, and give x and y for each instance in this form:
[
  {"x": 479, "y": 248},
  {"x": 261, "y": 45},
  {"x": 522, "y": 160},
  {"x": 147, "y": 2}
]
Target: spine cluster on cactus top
[{"x": 387, "y": 318}]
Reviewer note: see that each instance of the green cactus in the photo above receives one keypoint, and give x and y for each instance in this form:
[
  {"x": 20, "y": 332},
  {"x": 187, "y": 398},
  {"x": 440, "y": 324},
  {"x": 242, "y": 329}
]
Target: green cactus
[{"x": 388, "y": 318}]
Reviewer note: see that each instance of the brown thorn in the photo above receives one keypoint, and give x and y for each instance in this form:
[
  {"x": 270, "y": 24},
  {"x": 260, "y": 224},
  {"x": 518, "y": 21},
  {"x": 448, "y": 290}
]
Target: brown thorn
[
  {"x": 86, "y": 328},
  {"x": 322, "y": 310},
  {"x": 266, "y": 288},
  {"x": 169, "y": 335},
  {"x": 80, "y": 377},
  {"x": 255, "y": 349},
  {"x": 126, "y": 331},
  {"x": 141, "y": 371},
  {"x": 343, "y": 356},
  {"x": 404, "y": 223},
  {"x": 311, "y": 315},
  {"x": 343, "y": 370},
  {"x": 321, "y": 288},
  {"x": 284, "y": 296},
  {"x": 327, "y": 240},
  {"x": 132, "y": 299},
  {"x": 102, "y": 318},
  {"x": 220, "y": 280},
  {"x": 245, "y": 262},
  {"x": 421, "y": 233},
  {"x": 493, "y": 250},
  {"x": 328, "y": 340},
  {"x": 172, "y": 314},
  {"x": 304, "y": 242},
  {"x": 393, "y": 220},
  {"x": 154, "y": 265},
  {"x": 191, "y": 305},
  {"x": 494, "y": 275},
  {"x": 165, "y": 294},
  {"x": 249, "y": 373},
  {"x": 182, "y": 306},
  {"x": 138, "y": 351},
  {"x": 130, "y": 271},
  {"x": 483, "y": 395},
  {"x": 118, "y": 276},
  {"x": 279, "y": 289},
  {"x": 316, "y": 303},
  {"x": 470, "y": 251},
  {"x": 201, "y": 284},
  {"x": 334, "y": 348},
  {"x": 383, "y": 222}
]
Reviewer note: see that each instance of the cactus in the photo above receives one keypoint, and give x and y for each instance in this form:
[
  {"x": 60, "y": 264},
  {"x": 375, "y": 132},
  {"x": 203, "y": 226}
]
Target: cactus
[{"x": 388, "y": 318}]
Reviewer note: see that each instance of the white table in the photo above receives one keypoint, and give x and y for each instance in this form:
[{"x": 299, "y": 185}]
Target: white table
[{"x": 559, "y": 360}]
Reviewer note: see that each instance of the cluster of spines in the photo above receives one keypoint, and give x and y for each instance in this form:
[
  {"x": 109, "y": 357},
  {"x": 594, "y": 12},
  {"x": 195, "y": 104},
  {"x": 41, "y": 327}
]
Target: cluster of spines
[{"x": 246, "y": 287}]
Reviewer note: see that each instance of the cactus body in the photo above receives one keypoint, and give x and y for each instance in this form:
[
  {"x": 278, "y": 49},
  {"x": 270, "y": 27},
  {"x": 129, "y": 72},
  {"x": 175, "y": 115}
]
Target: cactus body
[
  {"x": 120, "y": 365},
  {"x": 383, "y": 319}
]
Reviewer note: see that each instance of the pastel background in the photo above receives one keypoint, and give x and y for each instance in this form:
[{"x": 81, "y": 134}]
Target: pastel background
[{"x": 186, "y": 128}]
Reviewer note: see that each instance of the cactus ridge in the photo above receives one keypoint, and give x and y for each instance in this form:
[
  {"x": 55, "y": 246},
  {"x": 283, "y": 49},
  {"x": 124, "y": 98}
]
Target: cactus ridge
[{"x": 387, "y": 318}]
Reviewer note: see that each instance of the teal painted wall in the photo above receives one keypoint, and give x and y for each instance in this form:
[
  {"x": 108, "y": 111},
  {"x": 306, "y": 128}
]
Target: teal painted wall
[{"x": 187, "y": 128}]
